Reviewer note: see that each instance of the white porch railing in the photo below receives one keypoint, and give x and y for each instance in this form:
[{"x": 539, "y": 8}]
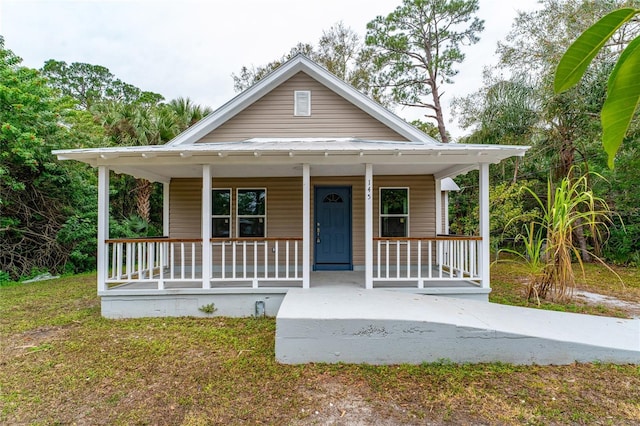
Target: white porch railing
[
  {"x": 446, "y": 258},
  {"x": 153, "y": 260},
  {"x": 253, "y": 263},
  {"x": 168, "y": 260},
  {"x": 256, "y": 260}
]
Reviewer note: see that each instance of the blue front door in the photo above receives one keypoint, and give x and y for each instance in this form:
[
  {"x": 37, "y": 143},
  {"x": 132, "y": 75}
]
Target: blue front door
[{"x": 332, "y": 230}]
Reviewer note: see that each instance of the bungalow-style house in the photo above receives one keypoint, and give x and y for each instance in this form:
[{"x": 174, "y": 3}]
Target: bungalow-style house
[{"x": 302, "y": 182}]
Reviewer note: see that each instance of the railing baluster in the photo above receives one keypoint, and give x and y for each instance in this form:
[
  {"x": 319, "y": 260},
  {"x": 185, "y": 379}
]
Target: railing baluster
[
  {"x": 379, "y": 243},
  {"x": 193, "y": 261},
  {"x": 387, "y": 259},
  {"x": 408, "y": 259},
  {"x": 275, "y": 260},
  {"x": 420, "y": 282},
  {"x": 266, "y": 259},
  {"x": 223, "y": 255},
  {"x": 244, "y": 259},
  {"x": 287, "y": 259},
  {"x": 255, "y": 261},
  {"x": 295, "y": 265}
]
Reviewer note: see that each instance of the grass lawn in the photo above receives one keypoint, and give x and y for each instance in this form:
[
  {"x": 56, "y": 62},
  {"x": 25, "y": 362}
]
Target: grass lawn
[{"x": 62, "y": 363}]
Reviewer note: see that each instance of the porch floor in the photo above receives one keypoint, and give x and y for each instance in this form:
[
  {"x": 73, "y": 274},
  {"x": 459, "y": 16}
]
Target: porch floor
[
  {"x": 342, "y": 324},
  {"x": 318, "y": 279}
]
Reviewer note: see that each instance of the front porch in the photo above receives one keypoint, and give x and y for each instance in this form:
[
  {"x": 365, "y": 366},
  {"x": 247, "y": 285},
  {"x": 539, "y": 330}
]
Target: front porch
[
  {"x": 163, "y": 276},
  {"x": 174, "y": 264}
]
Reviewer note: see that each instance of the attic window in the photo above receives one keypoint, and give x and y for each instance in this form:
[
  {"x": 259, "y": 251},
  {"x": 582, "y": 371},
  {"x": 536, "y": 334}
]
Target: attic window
[{"x": 302, "y": 103}]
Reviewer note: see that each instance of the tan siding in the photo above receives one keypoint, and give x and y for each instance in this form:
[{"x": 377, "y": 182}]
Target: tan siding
[
  {"x": 284, "y": 205},
  {"x": 272, "y": 116},
  {"x": 185, "y": 201},
  {"x": 422, "y": 208}
]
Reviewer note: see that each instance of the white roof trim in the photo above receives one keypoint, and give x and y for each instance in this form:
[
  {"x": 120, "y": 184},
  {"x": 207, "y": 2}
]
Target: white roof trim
[{"x": 280, "y": 75}]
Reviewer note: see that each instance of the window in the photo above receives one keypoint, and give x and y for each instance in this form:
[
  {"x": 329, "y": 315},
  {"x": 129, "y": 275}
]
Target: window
[
  {"x": 221, "y": 213},
  {"x": 394, "y": 212},
  {"x": 252, "y": 210},
  {"x": 302, "y": 103}
]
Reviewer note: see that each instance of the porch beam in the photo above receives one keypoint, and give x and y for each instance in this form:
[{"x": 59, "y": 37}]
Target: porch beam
[
  {"x": 484, "y": 253},
  {"x": 206, "y": 226},
  {"x": 368, "y": 226},
  {"x": 306, "y": 225},
  {"x": 103, "y": 226}
]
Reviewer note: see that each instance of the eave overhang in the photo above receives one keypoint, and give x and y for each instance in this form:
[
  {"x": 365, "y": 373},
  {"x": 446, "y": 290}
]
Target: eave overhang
[{"x": 264, "y": 156}]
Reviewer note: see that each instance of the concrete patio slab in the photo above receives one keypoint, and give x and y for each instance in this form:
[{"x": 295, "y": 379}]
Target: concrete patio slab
[{"x": 352, "y": 325}]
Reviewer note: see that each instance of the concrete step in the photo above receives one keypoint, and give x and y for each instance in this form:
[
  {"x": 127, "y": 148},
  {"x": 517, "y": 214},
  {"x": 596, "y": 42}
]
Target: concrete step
[{"x": 386, "y": 327}]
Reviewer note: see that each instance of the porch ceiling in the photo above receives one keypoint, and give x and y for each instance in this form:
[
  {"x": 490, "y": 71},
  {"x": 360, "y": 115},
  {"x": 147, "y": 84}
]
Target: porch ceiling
[{"x": 284, "y": 157}]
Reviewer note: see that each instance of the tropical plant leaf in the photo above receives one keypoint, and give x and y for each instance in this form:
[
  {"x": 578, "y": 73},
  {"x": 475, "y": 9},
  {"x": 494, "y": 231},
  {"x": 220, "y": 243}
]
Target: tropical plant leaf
[
  {"x": 580, "y": 54},
  {"x": 623, "y": 96}
]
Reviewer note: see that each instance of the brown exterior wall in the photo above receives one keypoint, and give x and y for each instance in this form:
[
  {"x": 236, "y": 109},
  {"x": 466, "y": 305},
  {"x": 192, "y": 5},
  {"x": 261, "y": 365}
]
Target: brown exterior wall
[
  {"x": 284, "y": 205},
  {"x": 272, "y": 116}
]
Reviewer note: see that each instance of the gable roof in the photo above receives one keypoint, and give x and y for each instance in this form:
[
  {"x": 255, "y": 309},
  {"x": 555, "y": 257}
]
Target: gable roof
[{"x": 280, "y": 75}]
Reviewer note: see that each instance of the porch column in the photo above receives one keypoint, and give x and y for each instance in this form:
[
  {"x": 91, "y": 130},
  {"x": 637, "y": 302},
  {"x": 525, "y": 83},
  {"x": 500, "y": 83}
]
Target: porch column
[
  {"x": 103, "y": 226},
  {"x": 368, "y": 226},
  {"x": 206, "y": 226},
  {"x": 484, "y": 253},
  {"x": 165, "y": 209},
  {"x": 306, "y": 225},
  {"x": 439, "y": 228}
]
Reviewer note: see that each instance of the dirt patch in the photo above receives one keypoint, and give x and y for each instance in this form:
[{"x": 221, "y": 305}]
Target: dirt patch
[
  {"x": 35, "y": 340},
  {"x": 332, "y": 402},
  {"x": 589, "y": 298}
]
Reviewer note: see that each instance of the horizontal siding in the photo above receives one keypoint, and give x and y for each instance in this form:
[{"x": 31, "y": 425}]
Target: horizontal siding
[
  {"x": 272, "y": 116},
  {"x": 284, "y": 205}
]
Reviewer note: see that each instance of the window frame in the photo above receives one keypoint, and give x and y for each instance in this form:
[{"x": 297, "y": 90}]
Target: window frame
[
  {"x": 219, "y": 216},
  {"x": 262, "y": 216},
  {"x": 298, "y": 108},
  {"x": 382, "y": 215}
]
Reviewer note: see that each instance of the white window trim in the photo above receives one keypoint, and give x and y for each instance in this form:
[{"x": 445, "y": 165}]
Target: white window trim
[
  {"x": 238, "y": 215},
  {"x": 381, "y": 215},
  {"x": 219, "y": 216},
  {"x": 297, "y": 111}
]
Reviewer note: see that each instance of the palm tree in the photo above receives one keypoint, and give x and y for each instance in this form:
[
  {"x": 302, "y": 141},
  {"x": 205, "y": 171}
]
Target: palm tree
[{"x": 187, "y": 112}]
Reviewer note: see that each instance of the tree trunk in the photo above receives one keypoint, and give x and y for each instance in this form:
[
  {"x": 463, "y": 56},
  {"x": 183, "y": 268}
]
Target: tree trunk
[
  {"x": 438, "y": 110},
  {"x": 143, "y": 199},
  {"x": 582, "y": 242}
]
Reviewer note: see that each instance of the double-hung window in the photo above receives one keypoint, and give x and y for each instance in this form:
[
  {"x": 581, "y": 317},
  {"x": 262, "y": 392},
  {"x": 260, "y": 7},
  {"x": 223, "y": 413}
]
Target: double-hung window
[
  {"x": 221, "y": 213},
  {"x": 252, "y": 212},
  {"x": 394, "y": 212}
]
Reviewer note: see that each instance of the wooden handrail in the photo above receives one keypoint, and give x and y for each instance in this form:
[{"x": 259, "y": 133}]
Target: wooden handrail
[
  {"x": 247, "y": 239},
  {"x": 440, "y": 238},
  {"x": 196, "y": 240},
  {"x": 154, "y": 240}
]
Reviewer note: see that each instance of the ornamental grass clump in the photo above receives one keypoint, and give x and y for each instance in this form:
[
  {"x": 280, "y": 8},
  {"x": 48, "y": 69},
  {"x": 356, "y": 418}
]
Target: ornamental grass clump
[{"x": 568, "y": 206}]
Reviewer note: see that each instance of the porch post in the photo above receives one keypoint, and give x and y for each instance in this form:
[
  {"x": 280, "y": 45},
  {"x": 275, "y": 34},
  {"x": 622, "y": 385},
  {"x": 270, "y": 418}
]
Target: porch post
[
  {"x": 484, "y": 253},
  {"x": 206, "y": 226},
  {"x": 306, "y": 225},
  {"x": 103, "y": 226},
  {"x": 368, "y": 226},
  {"x": 439, "y": 228},
  {"x": 165, "y": 209}
]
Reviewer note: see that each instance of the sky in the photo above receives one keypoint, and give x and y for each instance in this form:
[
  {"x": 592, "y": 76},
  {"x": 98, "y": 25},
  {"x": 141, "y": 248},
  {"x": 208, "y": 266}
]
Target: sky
[{"x": 190, "y": 48}]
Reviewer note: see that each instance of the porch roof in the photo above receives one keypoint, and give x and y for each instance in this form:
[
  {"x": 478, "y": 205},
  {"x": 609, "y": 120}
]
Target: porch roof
[{"x": 283, "y": 157}]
